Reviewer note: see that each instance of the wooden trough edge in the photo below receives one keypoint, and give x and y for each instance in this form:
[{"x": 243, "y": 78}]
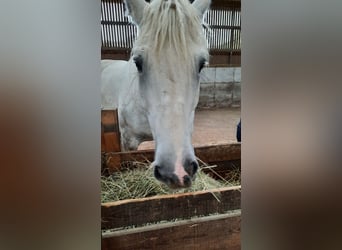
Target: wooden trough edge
[
  {"x": 220, "y": 231},
  {"x": 137, "y": 212},
  {"x": 208, "y": 154},
  {"x": 232, "y": 213}
]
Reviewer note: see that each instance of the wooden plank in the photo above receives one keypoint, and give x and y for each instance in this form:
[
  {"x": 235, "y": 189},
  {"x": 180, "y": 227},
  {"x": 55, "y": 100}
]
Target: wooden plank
[
  {"x": 225, "y": 60},
  {"x": 110, "y": 134},
  {"x": 211, "y": 232},
  {"x": 167, "y": 207},
  {"x": 223, "y": 152},
  {"x": 225, "y": 4},
  {"x": 208, "y": 154}
]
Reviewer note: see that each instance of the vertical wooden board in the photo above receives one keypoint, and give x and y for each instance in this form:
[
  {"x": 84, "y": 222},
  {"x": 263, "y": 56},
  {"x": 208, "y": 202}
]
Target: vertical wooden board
[
  {"x": 103, "y": 145},
  {"x": 110, "y": 134},
  {"x": 217, "y": 232}
]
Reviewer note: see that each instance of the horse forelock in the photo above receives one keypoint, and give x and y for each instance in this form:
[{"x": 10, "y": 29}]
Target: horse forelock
[{"x": 171, "y": 26}]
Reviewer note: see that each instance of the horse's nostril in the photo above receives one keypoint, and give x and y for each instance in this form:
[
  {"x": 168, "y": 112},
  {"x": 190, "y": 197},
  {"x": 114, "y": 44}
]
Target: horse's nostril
[
  {"x": 173, "y": 180},
  {"x": 157, "y": 172},
  {"x": 187, "y": 181},
  {"x": 194, "y": 165},
  {"x": 191, "y": 167}
]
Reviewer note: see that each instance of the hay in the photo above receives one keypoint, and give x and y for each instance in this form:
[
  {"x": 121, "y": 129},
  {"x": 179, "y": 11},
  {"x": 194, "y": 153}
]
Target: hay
[{"x": 139, "y": 182}]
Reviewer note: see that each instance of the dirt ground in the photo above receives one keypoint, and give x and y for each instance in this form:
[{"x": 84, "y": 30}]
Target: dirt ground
[{"x": 214, "y": 126}]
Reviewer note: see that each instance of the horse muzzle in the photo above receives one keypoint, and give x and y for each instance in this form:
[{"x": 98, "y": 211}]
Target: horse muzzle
[{"x": 181, "y": 177}]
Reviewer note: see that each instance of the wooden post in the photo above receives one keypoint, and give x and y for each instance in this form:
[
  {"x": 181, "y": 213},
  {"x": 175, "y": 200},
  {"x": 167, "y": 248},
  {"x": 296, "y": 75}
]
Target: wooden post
[{"x": 110, "y": 133}]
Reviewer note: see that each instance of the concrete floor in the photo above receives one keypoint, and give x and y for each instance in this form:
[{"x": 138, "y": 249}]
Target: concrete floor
[{"x": 214, "y": 126}]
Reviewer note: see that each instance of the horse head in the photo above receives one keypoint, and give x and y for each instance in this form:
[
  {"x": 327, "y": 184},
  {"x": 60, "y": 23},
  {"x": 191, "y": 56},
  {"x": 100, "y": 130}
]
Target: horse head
[{"x": 169, "y": 54}]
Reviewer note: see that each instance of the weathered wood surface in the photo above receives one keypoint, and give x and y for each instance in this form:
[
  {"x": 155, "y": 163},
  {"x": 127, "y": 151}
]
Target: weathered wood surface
[
  {"x": 110, "y": 134},
  {"x": 212, "y": 232},
  {"x": 213, "y": 154},
  {"x": 167, "y": 207}
]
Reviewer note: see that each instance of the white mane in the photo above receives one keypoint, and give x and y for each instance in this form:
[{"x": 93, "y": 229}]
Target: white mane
[{"x": 171, "y": 25}]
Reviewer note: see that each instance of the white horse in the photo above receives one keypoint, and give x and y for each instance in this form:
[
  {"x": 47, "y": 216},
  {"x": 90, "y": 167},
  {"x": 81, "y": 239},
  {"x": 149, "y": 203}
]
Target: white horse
[{"x": 157, "y": 90}]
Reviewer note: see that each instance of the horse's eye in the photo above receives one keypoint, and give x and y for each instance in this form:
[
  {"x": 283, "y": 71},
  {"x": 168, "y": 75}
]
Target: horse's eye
[
  {"x": 201, "y": 65},
  {"x": 139, "y": 63}
]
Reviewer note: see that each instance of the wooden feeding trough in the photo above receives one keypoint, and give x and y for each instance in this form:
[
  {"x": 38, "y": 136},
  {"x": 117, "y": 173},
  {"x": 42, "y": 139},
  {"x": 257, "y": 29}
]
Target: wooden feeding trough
[{"x": 196, "y": 220}]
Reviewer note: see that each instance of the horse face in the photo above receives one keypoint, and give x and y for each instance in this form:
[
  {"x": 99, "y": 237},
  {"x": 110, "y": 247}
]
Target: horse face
[{"x": 169, "y": 89}]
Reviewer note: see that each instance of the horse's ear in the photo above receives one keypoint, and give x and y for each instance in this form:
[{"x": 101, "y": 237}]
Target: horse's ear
[
  {"x": 135, "y": 8},
  {"x": 202, "y": 6}
]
